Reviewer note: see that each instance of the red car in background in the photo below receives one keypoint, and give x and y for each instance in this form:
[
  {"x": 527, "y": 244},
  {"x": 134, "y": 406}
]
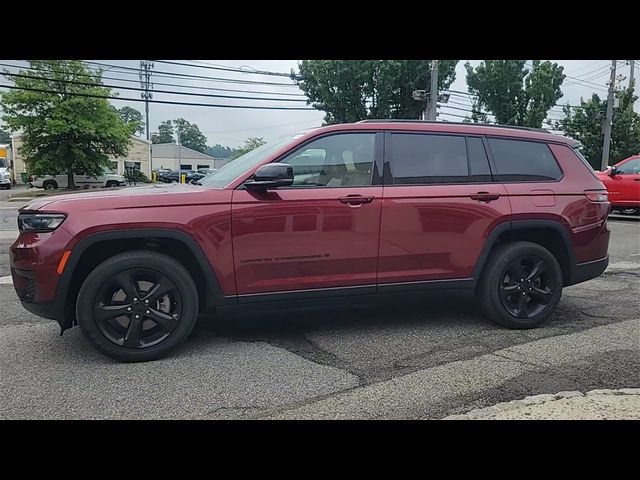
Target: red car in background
[{"x": 623, "y": 184}]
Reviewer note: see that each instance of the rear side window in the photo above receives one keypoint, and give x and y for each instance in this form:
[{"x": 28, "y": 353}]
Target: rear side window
[
  {"x": 423, "y": 158},
  {"x": 523, "y": 161},
  {"x": 478, "y": 163}
]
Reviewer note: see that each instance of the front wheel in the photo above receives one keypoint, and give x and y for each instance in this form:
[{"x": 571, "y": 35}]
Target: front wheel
[
  {"x": 137, "y": 306},
  {"x": 520, "y": 286},
  {"x": 630, "y": 211}
]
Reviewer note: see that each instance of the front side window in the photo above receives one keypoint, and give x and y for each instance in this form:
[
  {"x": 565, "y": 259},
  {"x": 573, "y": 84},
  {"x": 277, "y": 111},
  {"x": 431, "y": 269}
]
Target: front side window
[
  {"x": 632, "y": 166},
  {"x": 340, "y": 160},
  {"x": 523, "y": 161},
  {"x": 426, "y": 158}
]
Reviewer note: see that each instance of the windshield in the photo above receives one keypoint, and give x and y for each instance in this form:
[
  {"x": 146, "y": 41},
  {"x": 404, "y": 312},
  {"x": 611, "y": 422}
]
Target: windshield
[
  {"x": 3, "y": 163},
  {"x": 240, "y": 165}
]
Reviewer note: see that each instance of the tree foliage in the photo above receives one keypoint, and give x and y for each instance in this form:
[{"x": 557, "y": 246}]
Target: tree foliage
[
  {"x": 63, "y": 131},
  {"x": 249, "y": 144},
  {"x": 219, "y": 151},
  {"x": 585, "y": 125},
  {"x": 354, "y": 90},
  {"x": 189, "y": 133},
  {"x": 133, "y": 118},
  {"x": 514, "y": 94},
  {"x": 165, "y": 133},
  {"x": 5, "y": 137}
]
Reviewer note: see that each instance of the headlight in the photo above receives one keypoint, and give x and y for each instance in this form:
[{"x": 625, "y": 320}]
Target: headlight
[{"x": 39, "y": 222}]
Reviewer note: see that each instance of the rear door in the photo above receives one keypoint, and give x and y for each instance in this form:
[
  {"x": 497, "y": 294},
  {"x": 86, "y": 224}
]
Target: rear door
[
  {"x": 438, "y": 208},
  {"x": 320, "y": 236}
]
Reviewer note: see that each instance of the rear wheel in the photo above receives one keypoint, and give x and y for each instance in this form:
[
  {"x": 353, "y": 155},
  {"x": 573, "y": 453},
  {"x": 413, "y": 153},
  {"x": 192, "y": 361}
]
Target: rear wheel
[
  {"x": 137, "y": 306},
  {"x": 50, "y": 185},
  {"x": 521, "y": 285},
  {"x": 112, "y": 184}
]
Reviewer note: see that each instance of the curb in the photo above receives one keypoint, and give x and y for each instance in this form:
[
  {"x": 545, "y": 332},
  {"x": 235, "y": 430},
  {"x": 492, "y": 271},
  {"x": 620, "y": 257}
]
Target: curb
[{"x": 483, "y": 413}]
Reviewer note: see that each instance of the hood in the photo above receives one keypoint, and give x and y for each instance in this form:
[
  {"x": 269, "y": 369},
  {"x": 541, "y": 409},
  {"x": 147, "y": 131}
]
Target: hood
[{"x": 107, "y": 199}]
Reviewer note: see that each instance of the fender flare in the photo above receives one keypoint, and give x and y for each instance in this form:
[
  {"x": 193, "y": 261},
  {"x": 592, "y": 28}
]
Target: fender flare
[
  {"x": 528, "y": 224},
  {"x": 215, "y": 295}
]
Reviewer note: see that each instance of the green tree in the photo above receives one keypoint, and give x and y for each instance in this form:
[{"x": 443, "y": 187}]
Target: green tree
[
  {"x": 62, "y": 130},
  {"x": 5, "y": 137},
  {"x": 133, "y": 118},
  {"x": 514, "y": 94},
  {"x": 353, "y": 90},
  {"x": 585, "y": 125},
  {"x": 249, "y": 144},
  {"x": 165, "y": 133},
  {"x": 190, "y": 135},
  {"x": 219, "y": 151}
]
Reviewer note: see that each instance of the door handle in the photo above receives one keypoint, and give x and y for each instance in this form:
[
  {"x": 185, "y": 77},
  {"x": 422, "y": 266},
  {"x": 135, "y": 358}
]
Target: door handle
[
  {"x": 355, "y": 199},
  {"x": 636, "y": 179},
  {"x": 485, "y": 196}
]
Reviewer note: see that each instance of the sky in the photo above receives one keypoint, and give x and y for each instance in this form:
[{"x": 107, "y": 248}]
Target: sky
[{"x": 231, "y": 126}]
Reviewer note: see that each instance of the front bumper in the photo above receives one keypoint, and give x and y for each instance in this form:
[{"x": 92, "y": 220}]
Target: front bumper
[{"x": 588, "y": 270}]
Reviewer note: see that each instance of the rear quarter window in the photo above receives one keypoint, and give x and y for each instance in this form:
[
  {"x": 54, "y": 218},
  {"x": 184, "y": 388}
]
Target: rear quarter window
[{"x": 523, "y": 161}]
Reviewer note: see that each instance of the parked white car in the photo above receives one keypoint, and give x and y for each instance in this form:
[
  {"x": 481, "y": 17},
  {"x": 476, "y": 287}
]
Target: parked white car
[
  {"x": 5, "y": 174},
  {"x": 49, "y": 182}
]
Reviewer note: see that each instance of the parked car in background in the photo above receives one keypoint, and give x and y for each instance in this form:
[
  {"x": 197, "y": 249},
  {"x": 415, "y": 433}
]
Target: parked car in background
[
  {"x": 5, "y": 174},
  {"x": 52, "y": 182},
  {"x": 161, "y": 172},
  {"x": 336, "y": 214},
  {"x": 175, "y": 176},
  {"x": 201, "y": 173},
  {"x": 623, "y": 184}
]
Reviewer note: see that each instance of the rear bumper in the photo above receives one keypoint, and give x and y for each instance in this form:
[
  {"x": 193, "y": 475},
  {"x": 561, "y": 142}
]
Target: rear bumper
[{"x": 588, "y": 270}]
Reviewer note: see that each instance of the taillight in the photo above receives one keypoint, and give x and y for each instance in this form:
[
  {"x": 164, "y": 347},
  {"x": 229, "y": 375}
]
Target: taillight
[{"x": 597, "y": 196}]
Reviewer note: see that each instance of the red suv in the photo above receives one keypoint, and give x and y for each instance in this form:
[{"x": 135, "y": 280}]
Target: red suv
[
  {"x": 623, "y": 184},
  {"x": 375, "y": 207}
]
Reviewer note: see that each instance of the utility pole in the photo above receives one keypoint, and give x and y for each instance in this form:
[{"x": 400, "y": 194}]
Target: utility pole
[
  {"x": 607, "y": 122},
  {"x": 145, "y": 83},
  {"x": 433, "y": 93},
  {"x": 632, "y": 65}
]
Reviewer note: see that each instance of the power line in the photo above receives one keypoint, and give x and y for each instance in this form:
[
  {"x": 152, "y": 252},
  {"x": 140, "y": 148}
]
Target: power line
[
  {"x": 195, "y": 87},
  {"x": 135, "y": 71},
  {"x": 227, "y": 69},
  {"x": 167, "y": 102},
  {"x": 156, "y": 91}
]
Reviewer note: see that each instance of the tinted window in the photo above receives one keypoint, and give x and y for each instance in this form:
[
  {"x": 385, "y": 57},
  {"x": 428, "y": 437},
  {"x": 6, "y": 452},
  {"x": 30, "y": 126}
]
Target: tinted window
[
  {"x": 421, "y": 158},
  {"x": 343, "y": 160},
  {"x": 632, "y": 166},
  {"x": 478, "y": 162},
  {"x": 522, "y": 161}
]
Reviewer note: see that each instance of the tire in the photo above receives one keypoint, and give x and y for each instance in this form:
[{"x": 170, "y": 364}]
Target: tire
[
  {"x": 111, "y": 184},
  {"x": 161, "y": 337},
  {"x": 499, "y": 276},
  {"x": 50, "y": 185},
  {"x": 630, "y": 211}
]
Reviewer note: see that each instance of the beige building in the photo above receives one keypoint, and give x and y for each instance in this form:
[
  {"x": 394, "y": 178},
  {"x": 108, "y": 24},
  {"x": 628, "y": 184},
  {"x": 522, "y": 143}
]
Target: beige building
[
  {"x": 169, "y": 155},
  {"x": 138, "y": 158}
]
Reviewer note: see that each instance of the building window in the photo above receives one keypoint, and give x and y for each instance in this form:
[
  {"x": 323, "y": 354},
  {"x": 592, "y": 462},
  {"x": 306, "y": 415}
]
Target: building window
[
  {"x": 185, "y": 166},
  {"x": 203, "y": 166}
]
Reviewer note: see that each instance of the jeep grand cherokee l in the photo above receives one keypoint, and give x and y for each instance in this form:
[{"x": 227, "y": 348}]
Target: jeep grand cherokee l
[{"x": 335, "y": 213}]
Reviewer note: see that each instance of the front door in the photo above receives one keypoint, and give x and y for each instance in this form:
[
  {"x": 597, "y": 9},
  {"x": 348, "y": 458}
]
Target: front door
[
  {"x": 320, "y": 233},
  {"x": 626, "y": 184}
]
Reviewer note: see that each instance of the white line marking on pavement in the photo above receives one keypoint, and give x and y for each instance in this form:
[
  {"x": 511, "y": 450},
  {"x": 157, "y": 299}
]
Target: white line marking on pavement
[{"x": 6, "y": 280}]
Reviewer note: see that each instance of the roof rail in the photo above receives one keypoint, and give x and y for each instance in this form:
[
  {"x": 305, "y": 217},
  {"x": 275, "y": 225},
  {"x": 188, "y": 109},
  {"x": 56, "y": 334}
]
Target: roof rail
[{"x": 399, "y": 120}]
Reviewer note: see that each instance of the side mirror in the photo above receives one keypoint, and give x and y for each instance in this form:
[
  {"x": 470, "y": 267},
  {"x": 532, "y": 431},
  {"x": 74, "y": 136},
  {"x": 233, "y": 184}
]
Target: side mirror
[
  {"x": 613, "y": 171},
  {"x": 271, "y": 175}
]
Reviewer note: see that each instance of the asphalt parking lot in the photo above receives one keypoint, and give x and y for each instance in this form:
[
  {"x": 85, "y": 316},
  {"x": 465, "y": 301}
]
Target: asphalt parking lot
[{"x": 424, "y": 359}]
